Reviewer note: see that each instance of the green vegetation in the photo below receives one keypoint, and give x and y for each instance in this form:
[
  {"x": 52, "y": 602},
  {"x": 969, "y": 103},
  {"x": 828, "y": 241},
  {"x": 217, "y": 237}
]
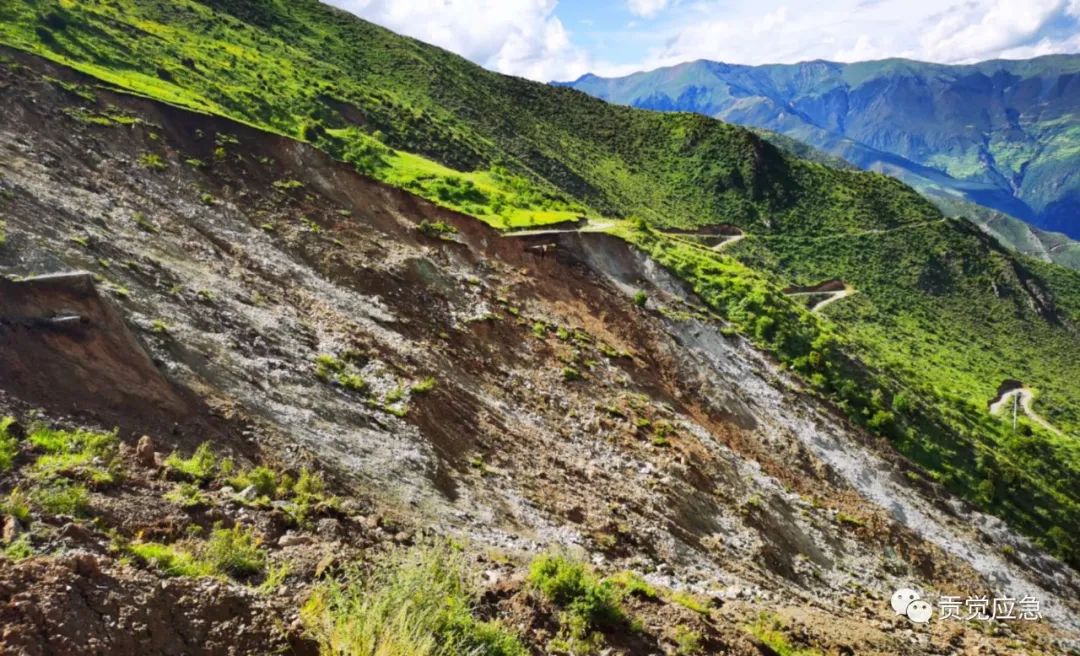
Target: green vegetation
[
  {"x": 17, "y": 505},
  {"x": 424, "y": 386},
  {"x": 343, "y": 371},
  {"x": 201, "y": 467},
  {"x": 152, "y": 161},
  {"x": 588, "y": 604},
  {"x": 941, "y": 317},
  {"x": 188, "y": 496},
  {"x": 436, "y": 229},
  {"x": 9, "y": 446},
  {"x": 410, "y": 603},
  {"x": 640, "y": 298},
  {"x": 19, "y": 549},
  {"x": 82, "y": 454},
  {"x": 770, "y": 630},
  {"x": 61, "y": 497},
  {"x": 687, "y": 641},
  {"x": 633, "y": 585},
  {"x": 235, "y": 552}
]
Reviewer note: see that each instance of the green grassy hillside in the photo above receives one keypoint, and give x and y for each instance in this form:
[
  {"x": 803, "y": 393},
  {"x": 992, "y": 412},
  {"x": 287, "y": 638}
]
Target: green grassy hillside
[{"x": 941, "y": 315}]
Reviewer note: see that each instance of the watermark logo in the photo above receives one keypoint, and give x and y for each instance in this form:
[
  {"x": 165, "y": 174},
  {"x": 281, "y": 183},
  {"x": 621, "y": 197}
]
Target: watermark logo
[{"x": 909, "y": 603}]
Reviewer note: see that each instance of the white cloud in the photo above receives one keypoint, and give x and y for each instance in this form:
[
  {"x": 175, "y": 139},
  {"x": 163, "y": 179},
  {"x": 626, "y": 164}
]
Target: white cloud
[
  {"x": 784, "y": 31},
  {"x": 646, "y": 8},
  {"x": 519, "y": 37},
  {"x": 527, "y": 38}
]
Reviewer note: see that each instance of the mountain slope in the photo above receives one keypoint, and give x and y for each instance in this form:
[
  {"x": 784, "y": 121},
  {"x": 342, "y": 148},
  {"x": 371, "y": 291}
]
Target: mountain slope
[
  {"x": 728, "y": 511},
  {"x": 941, "y": 318},
  {"x": 1002, "y": 133}
]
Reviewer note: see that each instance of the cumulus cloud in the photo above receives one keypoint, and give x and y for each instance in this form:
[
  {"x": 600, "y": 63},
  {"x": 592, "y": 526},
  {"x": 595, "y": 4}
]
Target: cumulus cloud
[
  {"x": 646, "y": 8},
  {"x": 519, "y": 37},
  {"x": 527, "y": 37},
  {"x": 772, "y": 31}
]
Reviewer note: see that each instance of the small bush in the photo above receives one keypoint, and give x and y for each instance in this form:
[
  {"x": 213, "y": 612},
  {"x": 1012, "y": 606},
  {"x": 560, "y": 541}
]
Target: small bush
[
  {"x": 567, "y": 584},
  {"x": 17, "y": 505},
  {"x": 152, "y": 162},
  {"x": 235, "y": 551},
  {"x": 9, "y": 446},
  {"x": 62, "y": 497},
  {"x": 201, "y": 467},
  {"x": 570, "y": 373},
  {"x": 640, "y": 298},
  {"x": 263, "y": 479},
  {"x": 687, "y": 641},
  {"x": 83, "y": 454},
  {"x": 412, "y": 603},
  {"x": 188, "y": 495},
  {"x": 635, "y": 586},
  {"x": 19, "y": 549},
  {"x": 172, "y": 560},
  {"x": 424, "y": 386},
  {"x": 438, "y": 229}
]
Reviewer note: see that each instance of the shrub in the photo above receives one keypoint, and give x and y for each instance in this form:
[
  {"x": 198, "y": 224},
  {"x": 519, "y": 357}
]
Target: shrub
[
  {"x": 438, "y": 229},
  {"x": 640, "y": 298},
  {"x": 62, "y": 497},
  {"x": 85, "y": 454},
  {"x": 9, "y": 446},
  {"x": 187, "y": 495},
  {"x": 172, "y": 560},
  {"x": 411, "y": 603},
  {"x": 424, "y": 386},
  {"x": 635, "y": 586},
  {"x": 17, "y": 505},
  {"x": 687, "y": 641},
  {"x": 263, "y": 479},
  {"x": 588, "y": 602},
  {"x": 152, "y": 162},
  {"x": 235, "y": 551},
  {"x": 19, "y": 549},
  {"x": 201, "y": 467},
  {"x": 570, "y": 373},
  {"x": 769, "y": 629}
]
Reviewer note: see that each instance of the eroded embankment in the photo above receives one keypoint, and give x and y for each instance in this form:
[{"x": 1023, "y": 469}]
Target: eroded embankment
[{"x": 64, "y": 346}]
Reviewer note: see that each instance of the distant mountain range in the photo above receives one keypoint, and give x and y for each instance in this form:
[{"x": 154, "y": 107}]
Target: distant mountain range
[{"x": 1003, "y": 134}]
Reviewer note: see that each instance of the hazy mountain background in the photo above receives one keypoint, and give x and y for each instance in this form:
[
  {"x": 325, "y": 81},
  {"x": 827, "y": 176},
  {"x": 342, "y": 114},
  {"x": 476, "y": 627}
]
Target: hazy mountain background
[{"x": 1003, "y": 134}]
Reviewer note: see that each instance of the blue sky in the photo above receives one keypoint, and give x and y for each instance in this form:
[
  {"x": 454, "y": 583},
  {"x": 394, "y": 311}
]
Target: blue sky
[{"x": 562, "y": 39}]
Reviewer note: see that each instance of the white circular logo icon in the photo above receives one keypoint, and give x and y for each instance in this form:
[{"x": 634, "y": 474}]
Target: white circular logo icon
[
  {"x": 920, "y": 611},
  {"x": 902, "y": 598},
  {"x": 909, "y": 603}
]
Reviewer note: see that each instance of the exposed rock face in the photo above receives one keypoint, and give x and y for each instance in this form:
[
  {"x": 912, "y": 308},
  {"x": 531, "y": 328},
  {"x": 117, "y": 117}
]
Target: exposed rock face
[{"x": 672, "y": 449}]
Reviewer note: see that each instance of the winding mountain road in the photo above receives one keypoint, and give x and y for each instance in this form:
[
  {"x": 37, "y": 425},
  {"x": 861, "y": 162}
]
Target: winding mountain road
[{"x": 1026, "y": 398}]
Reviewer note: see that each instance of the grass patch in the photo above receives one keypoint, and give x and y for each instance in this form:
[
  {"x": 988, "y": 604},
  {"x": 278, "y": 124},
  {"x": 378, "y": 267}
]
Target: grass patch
[
  {"x": 769, "y": 629},
  {"x": 201, "y": 467},
  {"x": 19, "y": 548},
  {"x": 61, "y": 497},
  {"x": 411, "y": 603},
  {"x": 342, "y": 371},
  {"x": 9, "y": 446},
  {"x": 17, "y": 505},
  {"x": 82, "y": 454},
  {"x": 188, "y": 496},
  {"x": 152, "y": 162},
  {"x": 235, "y": 552},
  {"x": 588, "y": 605}
]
